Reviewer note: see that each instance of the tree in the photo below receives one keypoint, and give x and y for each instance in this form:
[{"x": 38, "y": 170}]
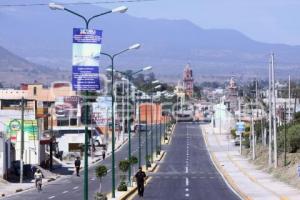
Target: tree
[
  {"x": 124, "y": 167},
  {"x": 101, "y": 171},
  {"x": 133, "y": 161}
]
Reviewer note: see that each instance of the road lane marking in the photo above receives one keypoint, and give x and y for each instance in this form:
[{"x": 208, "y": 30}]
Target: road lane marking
[
  {"x": 51, "y": 197},
  {"x": 66, "y": 191},
  {"x": 75, "y": 188},
  {"x": 187, "y": 195},
  {"x": 186, "y": 181},
  {"x": 186, "y": 170},
  {"x": 92, "y": 179},
  {"x": 186, "y": 189}
]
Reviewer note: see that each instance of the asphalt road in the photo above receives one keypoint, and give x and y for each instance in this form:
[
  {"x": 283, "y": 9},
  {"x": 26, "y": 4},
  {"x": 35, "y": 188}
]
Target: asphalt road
[
  {"x": 187, "y": 171},
  {"x": 71, "y": 187}
]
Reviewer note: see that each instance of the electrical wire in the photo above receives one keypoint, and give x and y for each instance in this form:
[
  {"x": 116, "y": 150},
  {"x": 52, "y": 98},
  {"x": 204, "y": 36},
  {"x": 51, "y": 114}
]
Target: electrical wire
[{"x": 76, "y": 3}]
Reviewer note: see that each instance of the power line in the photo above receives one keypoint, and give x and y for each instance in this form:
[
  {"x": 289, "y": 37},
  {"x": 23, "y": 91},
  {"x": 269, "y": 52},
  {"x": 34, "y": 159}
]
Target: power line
[{"x": 76, "y": 3}]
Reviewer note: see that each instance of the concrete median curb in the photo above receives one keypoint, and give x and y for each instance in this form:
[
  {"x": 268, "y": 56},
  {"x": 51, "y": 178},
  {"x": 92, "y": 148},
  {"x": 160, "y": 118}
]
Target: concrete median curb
[{"x": 132, "y": 192}]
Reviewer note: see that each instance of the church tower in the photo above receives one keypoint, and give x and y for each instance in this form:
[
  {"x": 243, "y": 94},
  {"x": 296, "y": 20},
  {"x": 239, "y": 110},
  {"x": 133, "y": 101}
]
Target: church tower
[{"x": 188, "y": 80}]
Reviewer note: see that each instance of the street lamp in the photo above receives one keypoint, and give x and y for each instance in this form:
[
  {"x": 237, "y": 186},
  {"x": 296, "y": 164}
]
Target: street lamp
[
  {"x": 129, "y": 79},
  {"x": 161, "y": 93},
  {"x": 156, "y": 87},
  {"x": 120, "y": 9},
  {"x": 112, "y": 57},
  {"x": 151, "y": 124}
]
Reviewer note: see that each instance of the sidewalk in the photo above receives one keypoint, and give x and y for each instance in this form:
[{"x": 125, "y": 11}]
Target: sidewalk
[
  {"x": 66, "y": 168},
  {"x": 241, "y": 175},
  {"x": 97, "y": 155}
]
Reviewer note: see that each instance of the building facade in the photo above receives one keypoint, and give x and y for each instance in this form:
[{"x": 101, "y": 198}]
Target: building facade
[
  {"x": 188, "y": 80},
  {"x": 232, "y": 96}
]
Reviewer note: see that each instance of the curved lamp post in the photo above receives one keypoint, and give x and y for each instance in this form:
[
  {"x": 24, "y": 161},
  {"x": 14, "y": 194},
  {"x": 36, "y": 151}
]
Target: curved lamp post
[
  {"x": 121, "y": 9},
  {"x": 129, "y": 79},
  {"x": 112, "y": 58},
  {"x": 151, "y": 146}
]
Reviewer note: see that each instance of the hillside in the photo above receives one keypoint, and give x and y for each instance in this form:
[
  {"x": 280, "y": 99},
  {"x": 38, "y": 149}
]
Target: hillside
[
  {"x": 167, "y": 44},
  {"x": 15, "y": 70}
]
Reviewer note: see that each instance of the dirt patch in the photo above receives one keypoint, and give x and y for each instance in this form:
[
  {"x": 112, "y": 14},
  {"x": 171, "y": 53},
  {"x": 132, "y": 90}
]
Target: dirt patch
[{"x": 287, "y": 174}]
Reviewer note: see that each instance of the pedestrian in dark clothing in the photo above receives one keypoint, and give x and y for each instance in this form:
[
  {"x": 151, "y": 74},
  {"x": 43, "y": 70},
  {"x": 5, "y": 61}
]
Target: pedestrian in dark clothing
[
  {"x": 103, "y": 154},
  {"x": 140, "y": 177},
  {"x": 77, "y": 165}
]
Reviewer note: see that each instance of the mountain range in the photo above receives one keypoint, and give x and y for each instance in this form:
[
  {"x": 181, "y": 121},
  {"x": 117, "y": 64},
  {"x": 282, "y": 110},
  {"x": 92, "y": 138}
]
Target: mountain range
[
  {"x": 43, "y": 36},
  {"x": 15, "y": 70}
]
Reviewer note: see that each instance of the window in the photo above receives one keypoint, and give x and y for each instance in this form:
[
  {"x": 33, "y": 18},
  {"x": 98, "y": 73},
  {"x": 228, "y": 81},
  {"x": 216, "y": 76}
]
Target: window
[{"x": 34, "y": 91}]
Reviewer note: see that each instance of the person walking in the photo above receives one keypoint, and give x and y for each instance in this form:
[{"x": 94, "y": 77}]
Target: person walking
[
  {"x": 77, "y": 165},
  {"x": 103, "y": 154},
  {"x": 38, "y": 176},
  {"x": 140, "y": 177}
]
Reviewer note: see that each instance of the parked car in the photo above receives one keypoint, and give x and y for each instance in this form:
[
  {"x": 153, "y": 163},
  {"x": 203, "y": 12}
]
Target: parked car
[
  {"x": 140, "y": 127},
  {"x": 237, "y": 141},
  {"x": 97, "y": 139}
]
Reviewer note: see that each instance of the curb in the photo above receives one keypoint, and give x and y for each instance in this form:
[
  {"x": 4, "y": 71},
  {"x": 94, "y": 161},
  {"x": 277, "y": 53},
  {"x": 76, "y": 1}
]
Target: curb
[
  {"x": 20, "y": 190},
  {"x": 252, "y": 178},
  {"x": 230, "y": 182},
  {"x": 133, "y": 193}
]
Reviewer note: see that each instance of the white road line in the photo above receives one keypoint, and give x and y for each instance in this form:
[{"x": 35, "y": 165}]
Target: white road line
[
  {"x": 51, "y": 197},
  {"x": 187, "y": 195},
  {"x": 92, "y": 179},
  {"x": 186, "y": 189},
  {"x": 75, "y": 188},
  {"x": 66, "y": 191},
  {"x": 186, "y": 181},
  {"x": 186, "y": 170}
]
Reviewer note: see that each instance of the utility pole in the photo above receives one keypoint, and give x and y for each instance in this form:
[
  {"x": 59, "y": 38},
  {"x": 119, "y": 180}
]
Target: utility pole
[
  {"x": 256, "y": 98},
  {"x": 151, "y": 145},
  {"x": 240, "y": 123},
  {"x": 129, "y": 127},
  {"x": 123, "y": 109},
  {"x": 289, "y": 119},
  {"x": 270, "y": 114},
  {"x": 252, "y": 133},
  {"x": 22, "y": 140},
  {"x": 274, "y": 113},
  {"x": 139, "y": 131},
  {"x": 146, "y": 157},
  {"x": 51, "y": 140},
  {"x": 160, "y": 116},
  {"x": 156, "y": 127},
  {"x": 285, "y": 134}
]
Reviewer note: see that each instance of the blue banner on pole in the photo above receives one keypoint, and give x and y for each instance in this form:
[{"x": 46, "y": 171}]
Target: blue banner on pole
[
  {"x": 85, "y": 78},
  {"x": 240, "y": 126},
  {"x": 85, "y": 61}
]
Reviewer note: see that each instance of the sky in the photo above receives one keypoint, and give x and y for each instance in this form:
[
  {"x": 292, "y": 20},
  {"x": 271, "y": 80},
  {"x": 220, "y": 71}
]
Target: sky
[{"x": 273, "y": 21}]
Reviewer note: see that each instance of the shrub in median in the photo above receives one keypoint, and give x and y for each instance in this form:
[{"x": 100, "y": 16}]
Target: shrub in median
[
  {"x": 124, "y": 167},
  {"x": 100, "y": 196},
  {"x": 122, "y": 186},
  {"x": 101, "y": 171}
]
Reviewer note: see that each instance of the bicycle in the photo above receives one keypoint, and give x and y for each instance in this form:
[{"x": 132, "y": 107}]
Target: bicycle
[{"x": 39, "y": 185}]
